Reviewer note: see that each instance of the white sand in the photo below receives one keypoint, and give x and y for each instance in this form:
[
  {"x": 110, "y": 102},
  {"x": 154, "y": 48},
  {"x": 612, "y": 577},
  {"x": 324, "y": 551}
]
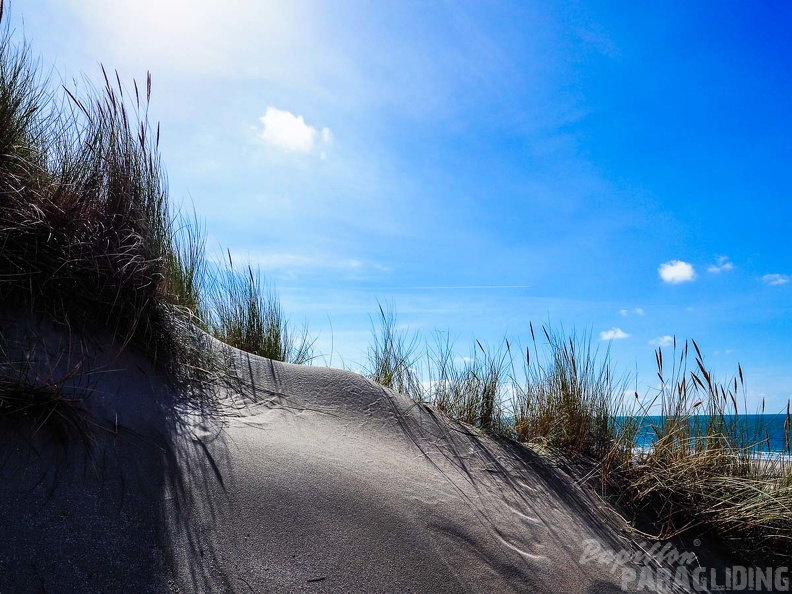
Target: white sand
[{"x": 306, "y": 480}]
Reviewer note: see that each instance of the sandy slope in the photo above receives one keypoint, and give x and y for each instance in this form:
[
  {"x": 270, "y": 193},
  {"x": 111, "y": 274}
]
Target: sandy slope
[{"x": 305, "y": 480}]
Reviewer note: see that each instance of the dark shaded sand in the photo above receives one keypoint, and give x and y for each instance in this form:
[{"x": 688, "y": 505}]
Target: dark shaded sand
[{"x": 304, "y": 480}]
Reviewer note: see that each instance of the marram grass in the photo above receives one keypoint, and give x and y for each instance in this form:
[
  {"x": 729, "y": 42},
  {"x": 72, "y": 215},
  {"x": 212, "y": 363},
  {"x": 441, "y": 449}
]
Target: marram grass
[
  {"x": 88, "y": 238},
  {"x": 700, "y": 475}
]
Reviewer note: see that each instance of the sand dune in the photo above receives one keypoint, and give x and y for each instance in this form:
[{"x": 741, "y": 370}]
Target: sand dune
[{"x": 303, "y": 479}]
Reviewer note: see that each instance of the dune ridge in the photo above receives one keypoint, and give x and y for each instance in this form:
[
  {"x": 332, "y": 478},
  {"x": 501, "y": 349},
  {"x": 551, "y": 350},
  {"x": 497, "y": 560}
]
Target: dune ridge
[{"x": 298, "y": 479}]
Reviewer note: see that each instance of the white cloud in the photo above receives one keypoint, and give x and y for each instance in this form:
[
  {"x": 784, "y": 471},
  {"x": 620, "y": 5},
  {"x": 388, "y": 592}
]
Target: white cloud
[
  {"x": 722, "y": 264},
  {"x": 662, "y": 341},
  {"x": 676, "y": 271},
  {"x": 613, "y": 334},
  {"x": 776, "y": 279},
  {"x": 639, "y": 311},
  {"x": 289, "y": 132}
]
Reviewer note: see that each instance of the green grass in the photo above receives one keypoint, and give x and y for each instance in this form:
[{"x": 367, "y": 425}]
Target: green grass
[
  {"x": 467, "y": 389},
  {"x": 245, "y": 312},
  {"x": 392, "y": 356},
  {"x": 470, "y": 388},
  {"x": 570, "y": 395},
  {"x": 560, "y": 396}
]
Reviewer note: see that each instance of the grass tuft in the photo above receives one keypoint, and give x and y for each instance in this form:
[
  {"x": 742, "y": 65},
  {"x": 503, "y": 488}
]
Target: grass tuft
[
  {"x": 702, "y": 471},
  {"x": 246, "y": 313},
  {"x": 43, "y": 396},
  {"x": 392, "y": 356},
  {"x": 88, "y": 237},
  {"x": 569, "y": 396},
  {"x": 469, "y": 389}
]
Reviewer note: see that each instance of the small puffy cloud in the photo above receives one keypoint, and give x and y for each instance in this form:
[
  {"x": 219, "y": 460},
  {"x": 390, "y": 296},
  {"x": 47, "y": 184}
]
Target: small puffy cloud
[
  {"x": 662, "y": 341},
  {"x": 288, "y": 132},
  {"x": 613, "y": 334},
  {"x": 638, "y": 311},
  {"x": 676, "y": 271},
  {"x": 624, "y": 312},
  {"x": 722, "y": 264},
  {"x": 776, "y": 279}
]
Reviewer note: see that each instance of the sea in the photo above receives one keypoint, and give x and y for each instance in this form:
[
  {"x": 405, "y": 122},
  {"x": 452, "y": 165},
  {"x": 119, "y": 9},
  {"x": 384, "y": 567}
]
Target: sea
[{"x": 760, "y": 434}]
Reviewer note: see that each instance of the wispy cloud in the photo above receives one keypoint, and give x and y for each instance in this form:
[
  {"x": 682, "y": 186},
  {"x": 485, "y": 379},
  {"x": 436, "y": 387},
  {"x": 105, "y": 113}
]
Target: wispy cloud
[
  {"x": 291, "y": 263},
  {"x": 466, "y": 287},
  {"x": 676, "y": 271},
  {"x": 662, "y": 341},
  {"x": 724, "y": 352},
  {"x": 776, "y": 279},
  {"x": 613, "y": 334},
  {"x": 722, "y": 264},
  {"x": 638, "y": 311},
  {"x": 288, "y": 132}
]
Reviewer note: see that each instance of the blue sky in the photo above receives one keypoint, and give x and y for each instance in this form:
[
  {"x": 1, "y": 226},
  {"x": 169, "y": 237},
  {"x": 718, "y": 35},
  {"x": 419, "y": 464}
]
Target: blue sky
[{"x": 621, "y": 169}]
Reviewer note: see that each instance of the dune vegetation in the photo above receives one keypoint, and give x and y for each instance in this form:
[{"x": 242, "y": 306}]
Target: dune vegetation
[
  {"x": 704, "y": 472},
  {"x": 89, "y": 235},
  {"x": 89, "y": 238}
]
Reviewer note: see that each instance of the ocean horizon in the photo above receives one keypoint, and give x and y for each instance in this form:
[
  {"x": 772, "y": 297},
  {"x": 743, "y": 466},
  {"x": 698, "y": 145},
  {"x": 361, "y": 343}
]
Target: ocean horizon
[{"x": 760, "y": 433}]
